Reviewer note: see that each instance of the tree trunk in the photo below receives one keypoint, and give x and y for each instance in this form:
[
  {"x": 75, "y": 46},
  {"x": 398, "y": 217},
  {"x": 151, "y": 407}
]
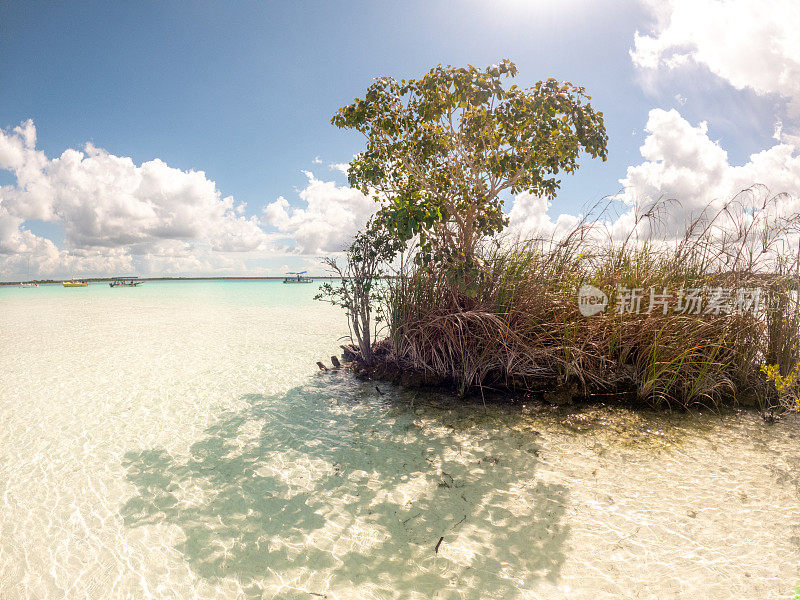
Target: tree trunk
[{"x": 364, "y": 340}]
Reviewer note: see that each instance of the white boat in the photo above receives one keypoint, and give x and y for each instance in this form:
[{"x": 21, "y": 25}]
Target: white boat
[
  {"x": 297, "y": 278},
  {"x": 29, "y": 283},
  {"x": 125, "y": 282}
]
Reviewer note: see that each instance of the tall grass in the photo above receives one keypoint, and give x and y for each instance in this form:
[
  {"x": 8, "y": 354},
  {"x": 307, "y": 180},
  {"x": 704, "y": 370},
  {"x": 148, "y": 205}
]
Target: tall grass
[{"x": 521, "y": 328}]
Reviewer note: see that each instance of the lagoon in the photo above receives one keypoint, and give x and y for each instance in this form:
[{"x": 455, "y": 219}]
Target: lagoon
[{"x": 176, "y": 440}]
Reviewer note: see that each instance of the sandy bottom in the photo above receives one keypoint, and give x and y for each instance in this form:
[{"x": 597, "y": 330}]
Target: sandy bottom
[{"x": 157, "y": 447}]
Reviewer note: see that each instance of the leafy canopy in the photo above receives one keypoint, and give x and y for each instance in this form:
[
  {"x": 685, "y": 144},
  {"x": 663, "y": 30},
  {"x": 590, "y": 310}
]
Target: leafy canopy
[{"x": 441, "y": 149}]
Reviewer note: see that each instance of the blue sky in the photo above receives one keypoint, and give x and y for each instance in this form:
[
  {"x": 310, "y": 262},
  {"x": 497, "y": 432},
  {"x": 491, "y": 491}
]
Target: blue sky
[{"x": 244, "y": 92}]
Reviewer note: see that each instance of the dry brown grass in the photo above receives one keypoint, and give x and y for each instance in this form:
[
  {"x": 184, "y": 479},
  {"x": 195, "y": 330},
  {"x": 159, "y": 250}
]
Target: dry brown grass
[{"x": 523, "y": 329}]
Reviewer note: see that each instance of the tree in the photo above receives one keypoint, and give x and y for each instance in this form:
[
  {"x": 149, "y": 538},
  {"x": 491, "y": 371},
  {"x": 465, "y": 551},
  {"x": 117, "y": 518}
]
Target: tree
[
  {"x": 441, "y": 150},
  {"x": 356, "y": 289}
]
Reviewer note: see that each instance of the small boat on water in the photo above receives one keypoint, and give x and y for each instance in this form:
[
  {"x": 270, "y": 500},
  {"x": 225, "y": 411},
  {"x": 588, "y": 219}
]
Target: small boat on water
[
  {"x": 28, "y": 283},
  {"x": 124, "y": 282},
  {"x": 74, "y": 283},
  {"x": 298, "y": 278}
]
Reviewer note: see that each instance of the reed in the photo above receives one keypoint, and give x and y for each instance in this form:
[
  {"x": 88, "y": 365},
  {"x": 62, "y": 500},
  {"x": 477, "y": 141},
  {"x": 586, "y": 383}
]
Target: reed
[{"x": 520, "y": 326}]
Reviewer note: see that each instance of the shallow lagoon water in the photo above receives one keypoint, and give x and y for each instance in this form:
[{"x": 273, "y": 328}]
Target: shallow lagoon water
[{"x": 175, "y": 441}]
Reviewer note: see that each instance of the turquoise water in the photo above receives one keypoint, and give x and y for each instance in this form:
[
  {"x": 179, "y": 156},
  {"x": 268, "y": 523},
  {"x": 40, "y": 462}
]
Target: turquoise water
[
  {"x": 266, "y": 292},
  {"x": 176, "y": 440}
]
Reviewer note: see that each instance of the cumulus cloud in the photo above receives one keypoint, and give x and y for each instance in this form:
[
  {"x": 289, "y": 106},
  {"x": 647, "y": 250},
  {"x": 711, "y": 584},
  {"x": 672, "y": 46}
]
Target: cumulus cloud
[
  {"x": 749, "y": 44},
  {"x": 107, "y": 200},
  {"x": 529, "y": 218},
  {"x": 108, "y": 205},
  {"x": 328, "y": 219},
  {"x": 682, "y": 162}
]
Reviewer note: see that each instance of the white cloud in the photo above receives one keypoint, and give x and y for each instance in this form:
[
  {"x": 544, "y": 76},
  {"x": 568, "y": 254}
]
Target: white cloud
[
  {"x": 109, "y": 206},
  {"x": 682, "y": 162},
  {"x": 331, "y": 216},
  {"x": 528, "y": 218},
  {"x": 107, "y": 200},
  {"x": 749, "y": 44}
]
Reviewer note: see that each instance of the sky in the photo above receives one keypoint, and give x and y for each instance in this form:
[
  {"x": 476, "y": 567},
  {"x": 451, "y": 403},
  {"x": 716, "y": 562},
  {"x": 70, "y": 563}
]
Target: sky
[{"x": 194, "y": 138}]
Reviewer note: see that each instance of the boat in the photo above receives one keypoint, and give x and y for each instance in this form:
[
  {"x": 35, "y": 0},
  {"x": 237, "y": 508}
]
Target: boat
[
  {"x": 297, "y": 277},
  {"x": 124, "y": 282},
  {"x": 29, "y": 283},
  {"x": 74, "y": 283}
]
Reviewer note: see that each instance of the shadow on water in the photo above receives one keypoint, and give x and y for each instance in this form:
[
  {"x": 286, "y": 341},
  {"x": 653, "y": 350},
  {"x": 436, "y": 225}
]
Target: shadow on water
[{"x": 333, "y": 479}]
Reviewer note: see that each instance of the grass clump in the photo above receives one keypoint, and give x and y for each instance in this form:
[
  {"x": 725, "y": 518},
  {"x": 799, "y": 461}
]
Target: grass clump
[{"x": 717, "y": 317}]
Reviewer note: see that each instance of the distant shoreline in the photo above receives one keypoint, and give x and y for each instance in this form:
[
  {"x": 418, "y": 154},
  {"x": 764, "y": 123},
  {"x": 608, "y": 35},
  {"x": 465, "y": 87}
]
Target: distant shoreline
[{"x": 106, "y": 279}]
